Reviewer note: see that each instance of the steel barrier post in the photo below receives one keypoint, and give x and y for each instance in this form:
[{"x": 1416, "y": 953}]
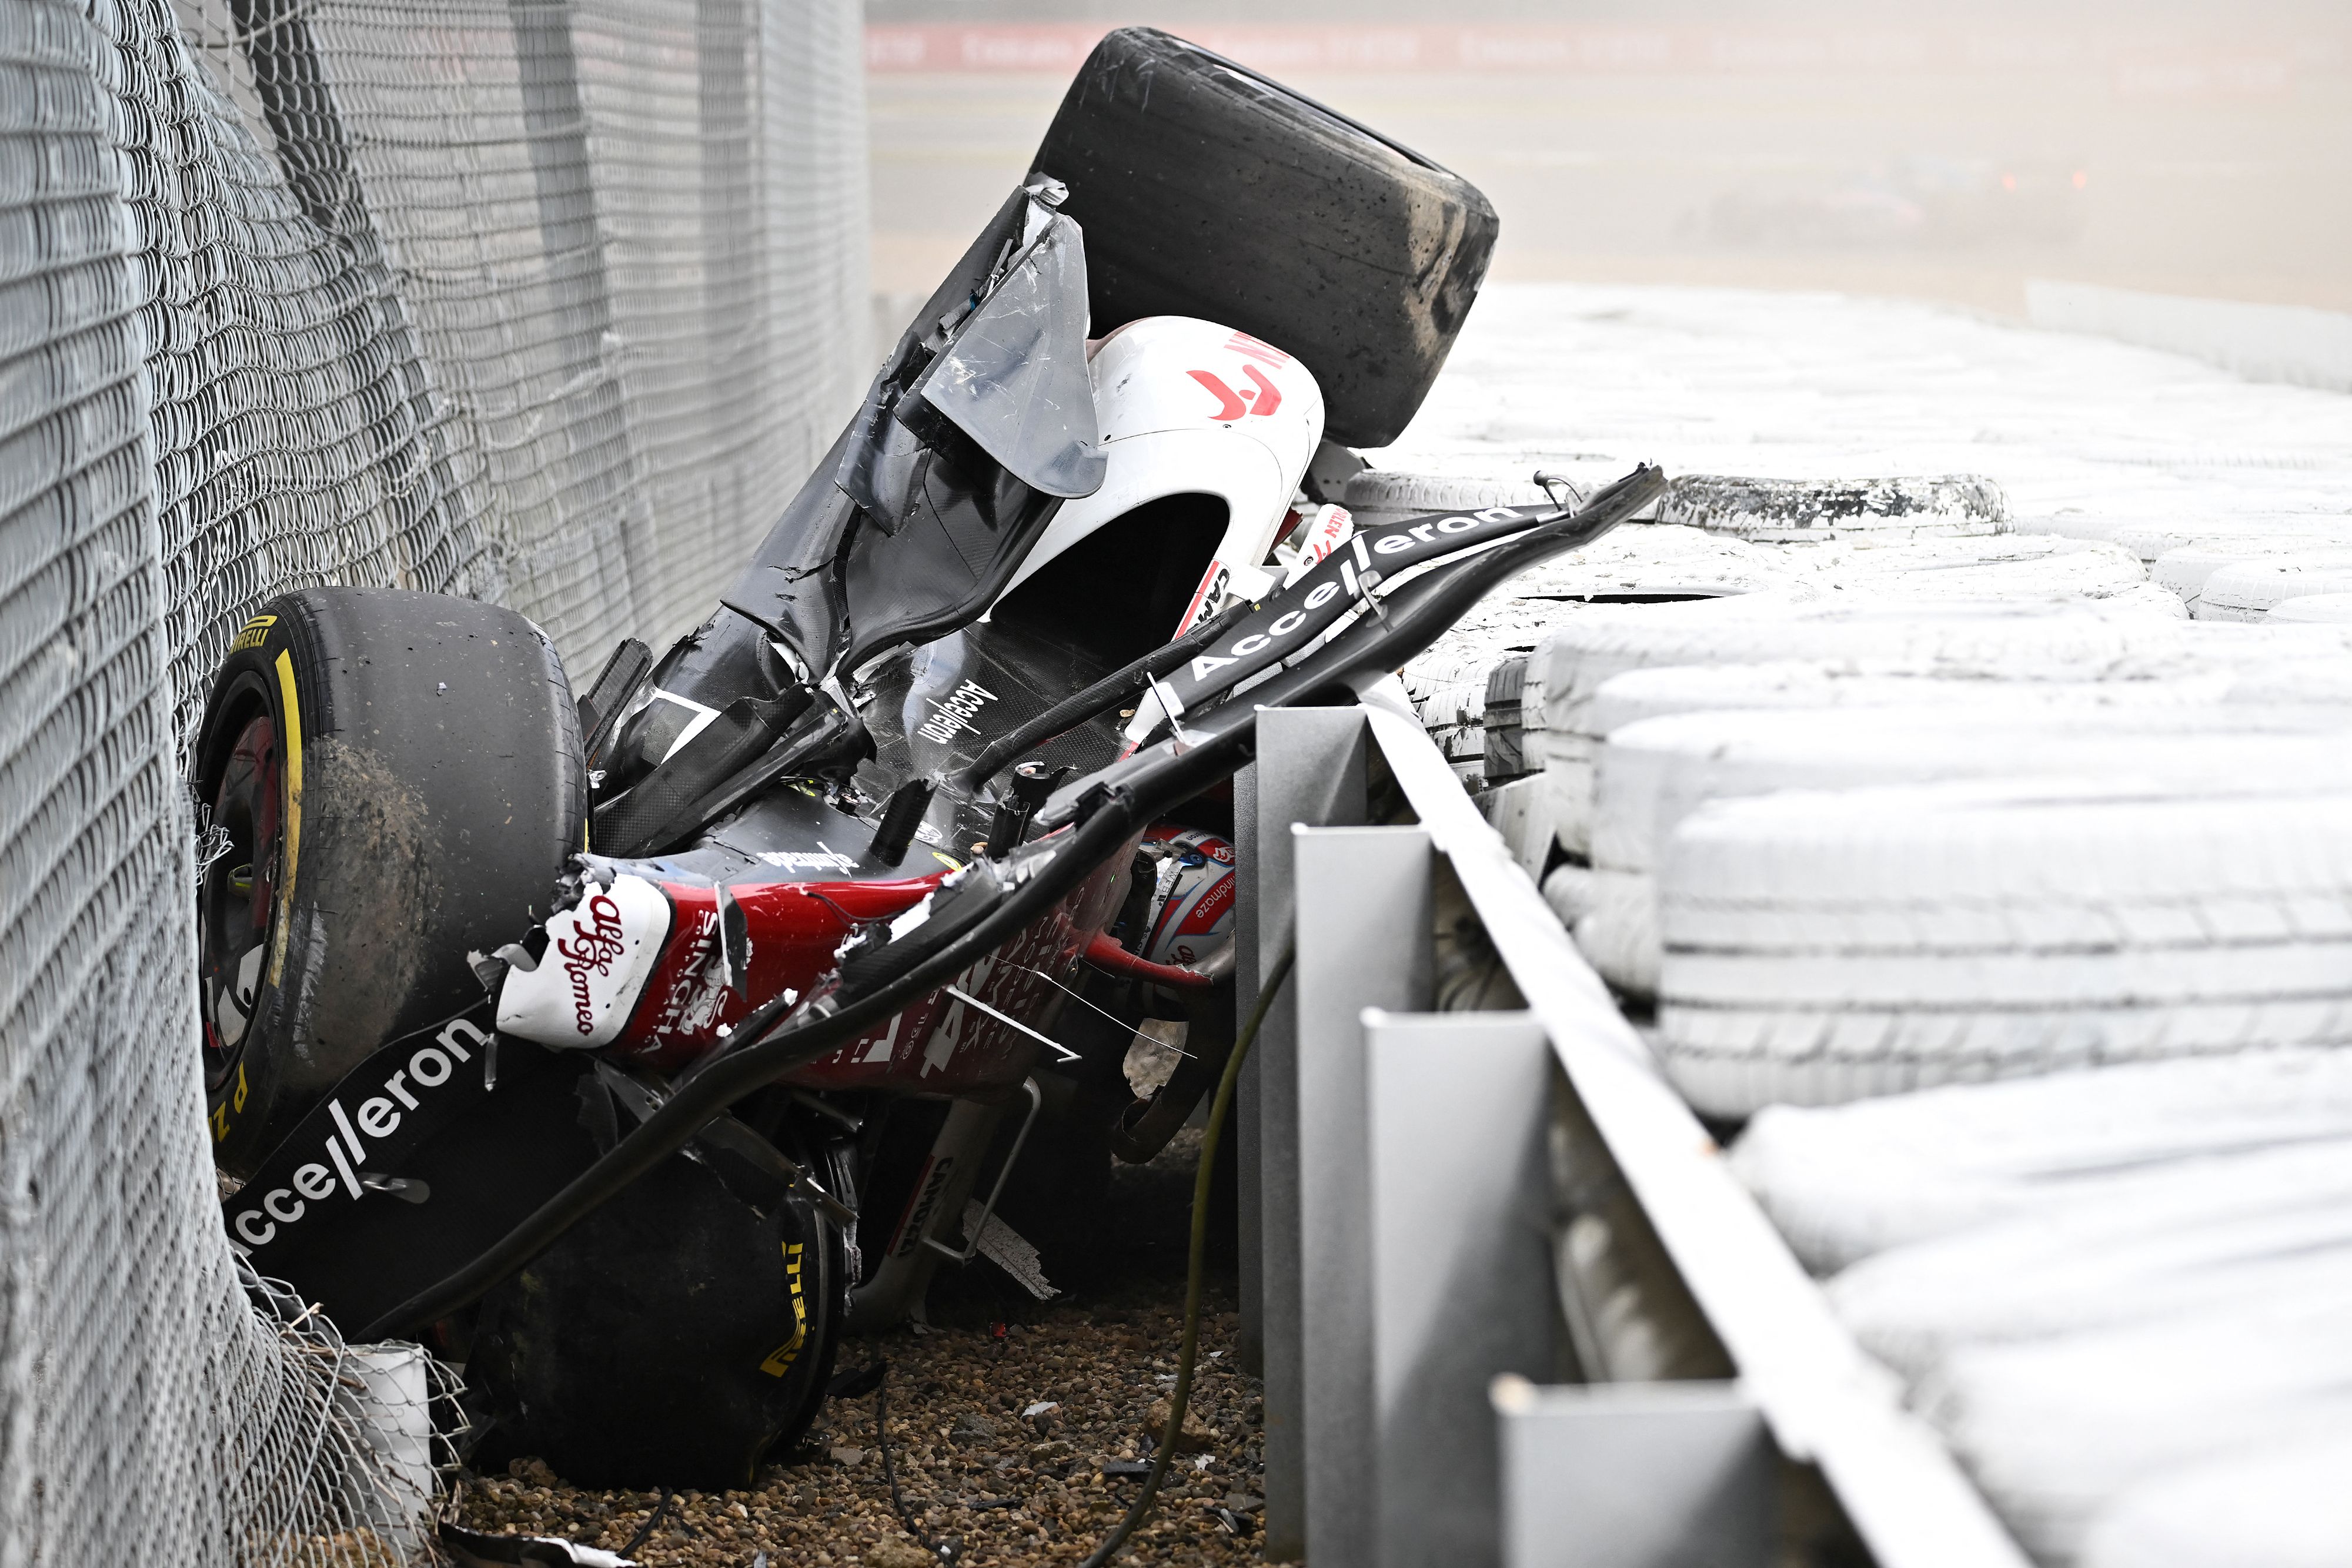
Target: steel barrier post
[
  {"x": 1461, "y": 1286},
  {"x": 1364, "y": 918},
  {"x": 1310, "y": 769},
  {"x": 1633, "y": 1475}
]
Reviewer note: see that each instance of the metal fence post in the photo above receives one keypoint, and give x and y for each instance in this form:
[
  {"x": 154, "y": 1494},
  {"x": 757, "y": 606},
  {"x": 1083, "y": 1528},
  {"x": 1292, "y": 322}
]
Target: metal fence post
[
  {"x": 1633, "y": 1475},
  {"x": 1310, "y": 769},
  {"x": 1462, "y": 1283},
  {"x": 1364, "y": 920}
]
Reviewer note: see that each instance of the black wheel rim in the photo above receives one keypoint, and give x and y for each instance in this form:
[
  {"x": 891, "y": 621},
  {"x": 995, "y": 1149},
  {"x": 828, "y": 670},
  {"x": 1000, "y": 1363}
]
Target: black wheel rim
[{"x": 237, "y": 897}]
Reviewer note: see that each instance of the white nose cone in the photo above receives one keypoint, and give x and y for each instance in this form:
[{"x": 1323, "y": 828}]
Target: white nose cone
[
  {"x": 1178, "y": 372},
  {"x": 599, "y": 955}
]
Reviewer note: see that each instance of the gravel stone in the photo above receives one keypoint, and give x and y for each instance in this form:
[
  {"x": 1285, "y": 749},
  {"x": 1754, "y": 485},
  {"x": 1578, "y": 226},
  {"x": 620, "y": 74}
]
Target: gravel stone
[{"x": 1103, "y": 1355}]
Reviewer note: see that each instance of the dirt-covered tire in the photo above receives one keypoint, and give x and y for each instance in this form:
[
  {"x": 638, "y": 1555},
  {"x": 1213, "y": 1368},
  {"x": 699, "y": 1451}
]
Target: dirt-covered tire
[
  {"x": 388, "y": 780},
  {"x": 1799, "y": 509},
  {"x": 1208, "y": 191}
]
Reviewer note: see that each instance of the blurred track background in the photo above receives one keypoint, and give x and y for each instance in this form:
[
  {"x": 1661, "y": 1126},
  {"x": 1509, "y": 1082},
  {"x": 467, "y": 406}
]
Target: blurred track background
[{"x": 1936, "y": 151}]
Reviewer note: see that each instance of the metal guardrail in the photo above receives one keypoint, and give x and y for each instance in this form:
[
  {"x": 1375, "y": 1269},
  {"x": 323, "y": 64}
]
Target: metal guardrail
[{"x": 1403, "y": 1296}]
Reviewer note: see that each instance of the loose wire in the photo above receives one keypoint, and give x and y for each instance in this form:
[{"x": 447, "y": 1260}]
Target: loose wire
[{"x": 1180, "y": 1397}]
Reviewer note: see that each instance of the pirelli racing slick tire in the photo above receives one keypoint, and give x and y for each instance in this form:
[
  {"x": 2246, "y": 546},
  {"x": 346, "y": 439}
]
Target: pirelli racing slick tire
[
  {"x": 679, "y": 1333},
  {"x": 387, "y": 782}
]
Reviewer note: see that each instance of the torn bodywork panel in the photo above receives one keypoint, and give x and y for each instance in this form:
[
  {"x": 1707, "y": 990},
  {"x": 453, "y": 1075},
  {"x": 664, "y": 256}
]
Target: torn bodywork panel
[{"x": 815, "y": 933}]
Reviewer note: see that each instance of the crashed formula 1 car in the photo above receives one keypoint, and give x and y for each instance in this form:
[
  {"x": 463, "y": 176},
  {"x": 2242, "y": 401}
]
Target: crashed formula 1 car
[{"x": 629, "y": 1045}]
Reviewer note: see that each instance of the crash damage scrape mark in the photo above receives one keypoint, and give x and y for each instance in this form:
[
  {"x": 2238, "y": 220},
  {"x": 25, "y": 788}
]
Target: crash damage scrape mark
[{"x": 418, "y": 1085}]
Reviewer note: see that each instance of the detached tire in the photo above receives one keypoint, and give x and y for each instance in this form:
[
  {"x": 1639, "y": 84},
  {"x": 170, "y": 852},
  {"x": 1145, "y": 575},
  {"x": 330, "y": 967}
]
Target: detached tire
[
  {"x": 1207, "y": 190},
  {"x": 398, "y": 780}
]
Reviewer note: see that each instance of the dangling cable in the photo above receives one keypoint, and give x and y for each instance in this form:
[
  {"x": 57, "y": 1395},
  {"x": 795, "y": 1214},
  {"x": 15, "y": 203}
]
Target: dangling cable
[
  {"x": 1180, "y": 1397},
  {"x": 944, "y": 1551}
]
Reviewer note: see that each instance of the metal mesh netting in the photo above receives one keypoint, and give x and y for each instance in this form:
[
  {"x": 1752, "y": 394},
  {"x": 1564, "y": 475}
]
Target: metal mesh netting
[{"x": 542, "y": 302}]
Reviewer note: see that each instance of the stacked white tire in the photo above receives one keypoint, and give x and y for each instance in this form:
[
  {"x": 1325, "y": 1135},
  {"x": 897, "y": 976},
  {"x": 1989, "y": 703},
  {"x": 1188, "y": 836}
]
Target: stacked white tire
[
  {"x": 2119, "y": 1293},
  {"x": 2249, "y": 589},
  {"x": 1654, "y": 775},
  {"x": 2313, "y": 609},
  {"x": 2034, "y": 640},
  {"x": 1825, "y": 947}
]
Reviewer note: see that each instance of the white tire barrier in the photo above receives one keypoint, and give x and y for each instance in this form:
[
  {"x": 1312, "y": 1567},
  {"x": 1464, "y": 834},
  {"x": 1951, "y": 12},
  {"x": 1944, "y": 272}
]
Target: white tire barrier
[
  {"x": 1797, "y": 683},
  {"x": 2277, "y": 1224},
  {"x": 2055, "y": 1429},
  {"x": 2185, "y": 570},
  {"x": 1651, "y": 775},
  {"x": 2315, "y": 609},
  {"x": 1653, "y": 564},
  {"x": 2280, "y": 1505},
  {"x": 2247, "y": 590},
  {"x": 2031, "y": 642},
  {"x": 2010, "y": 567},
  {"x": 2095, "y": 1280},
  {"x": 2151, "y": 540},
  {"x": 1821, "y": 948},
  {"x": 1636, "y": 564},
  {"x": 1845, "y": 1183}
]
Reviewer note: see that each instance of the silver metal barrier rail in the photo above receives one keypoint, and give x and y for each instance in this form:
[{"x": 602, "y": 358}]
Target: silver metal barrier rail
[{"x": 1415, "y": 1285}]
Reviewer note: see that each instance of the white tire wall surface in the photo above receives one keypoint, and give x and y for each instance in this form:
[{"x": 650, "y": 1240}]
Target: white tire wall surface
[
  {"x": 2246, "y": 589},
  {"x": 1650, "y": 776},
  {"x": 2276, "y": 1225},
  {"x": 2101, "y": 1285},
  {"x": 2009, "y": 567},
  {"x": 2055, "y": 1429},
  {"x": 1852, "y": 1181},
  {"x": 2151, "y": 540},
  {"x": 2185, "y": 570},
  {"x": 1653, "y": 775},
  {"x": 1794, "y": 683},
  {"x": 2279, "y": 1505},
  {"x": 1847, "y": 1182},
  {"x": 1825, "y": 947},
  {"x": 2027, "y": 642},
  {"x": 2314, "y": 610}
]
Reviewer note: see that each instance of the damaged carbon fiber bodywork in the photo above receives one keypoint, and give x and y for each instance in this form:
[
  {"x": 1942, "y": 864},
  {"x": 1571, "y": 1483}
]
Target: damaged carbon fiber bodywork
[{"x": 884, "y": 866}]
